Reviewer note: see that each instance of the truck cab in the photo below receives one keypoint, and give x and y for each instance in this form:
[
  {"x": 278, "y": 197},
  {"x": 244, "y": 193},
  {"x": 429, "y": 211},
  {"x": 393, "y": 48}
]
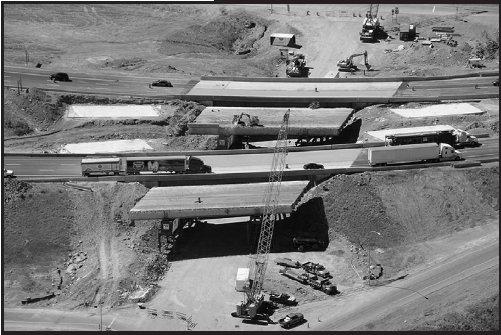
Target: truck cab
[{"x": 447, "y": 152}]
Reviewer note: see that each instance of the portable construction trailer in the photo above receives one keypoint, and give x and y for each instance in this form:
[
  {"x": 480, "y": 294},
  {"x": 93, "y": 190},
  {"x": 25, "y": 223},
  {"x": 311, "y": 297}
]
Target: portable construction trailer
[{"x": 286, "y": 40}]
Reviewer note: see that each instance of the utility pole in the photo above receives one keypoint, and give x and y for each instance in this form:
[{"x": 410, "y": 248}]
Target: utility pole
[{"x": 271, "y": 9}]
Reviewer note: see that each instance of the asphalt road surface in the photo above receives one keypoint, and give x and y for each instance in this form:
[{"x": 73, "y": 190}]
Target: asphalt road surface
[
  {"x": 26, "y": 166},
  {"x": 95, "y": 83}
]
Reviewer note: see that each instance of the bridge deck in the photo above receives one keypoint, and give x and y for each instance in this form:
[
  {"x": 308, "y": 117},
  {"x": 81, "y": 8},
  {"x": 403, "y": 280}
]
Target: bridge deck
[
  {"x": 216, "y": 201},
  {"x": 302, "y": 121}
]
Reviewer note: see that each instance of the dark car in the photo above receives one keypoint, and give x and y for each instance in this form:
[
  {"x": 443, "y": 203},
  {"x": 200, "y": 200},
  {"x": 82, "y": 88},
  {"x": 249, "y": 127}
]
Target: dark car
[
  {"x": 291, "y": 320},
  {"x": 60, "y": 76},
  {"x": 161, "y": 83},
  {"x": 496, "y": 82},
  {"x": 313, "y": 166}
]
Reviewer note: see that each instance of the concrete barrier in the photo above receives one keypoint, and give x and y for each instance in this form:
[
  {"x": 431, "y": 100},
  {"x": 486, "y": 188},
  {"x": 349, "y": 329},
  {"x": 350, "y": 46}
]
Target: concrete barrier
[{"x": 368, "y": 79}]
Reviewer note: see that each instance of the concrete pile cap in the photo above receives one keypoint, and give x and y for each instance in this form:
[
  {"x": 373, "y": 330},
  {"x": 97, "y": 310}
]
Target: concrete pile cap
[{"x": 213, "y": 201}]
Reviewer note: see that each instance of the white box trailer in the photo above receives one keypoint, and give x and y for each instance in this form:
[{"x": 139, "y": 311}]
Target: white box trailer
[
  {"x": 423, "y": 152},
  {"x": 242, "y": 279}
]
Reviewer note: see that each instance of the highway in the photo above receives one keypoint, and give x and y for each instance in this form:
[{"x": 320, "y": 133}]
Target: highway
[
  {"x": 97, "y": 83},
  {"x": 40, "y": 166}
]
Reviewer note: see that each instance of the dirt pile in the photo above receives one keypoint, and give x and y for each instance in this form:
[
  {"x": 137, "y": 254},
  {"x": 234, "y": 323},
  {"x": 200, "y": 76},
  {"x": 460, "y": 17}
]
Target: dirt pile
[
  {"x": 28, "y": 113},
  {"x": 78, "y": 244},
  {"x": 228, "y": 33},
  {"x": 406, "y": 207}
]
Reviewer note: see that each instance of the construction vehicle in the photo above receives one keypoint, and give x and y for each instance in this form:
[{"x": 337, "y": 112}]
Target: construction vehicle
[
  {"x": 348, "y": 65},
  {"x": 252, "y": 306},
  {"x": 370, "y": 26},
  {"x": 322, "y": 284},
  {"x": 283, "y": 298},
  {"x": 296, "y": 67},
  {"x": 253, "y": 121},
  {"x": 424, "y": 152},
  {"x": 316, "y": 269},
  {"x": 288, "y": 262},
  {"x": 410, "y": 35}
]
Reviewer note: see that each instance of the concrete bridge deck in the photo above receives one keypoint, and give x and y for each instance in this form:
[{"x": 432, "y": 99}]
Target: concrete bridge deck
[
  {"x": 216, "y": 201},
  {"x": 302, "y": 121}
]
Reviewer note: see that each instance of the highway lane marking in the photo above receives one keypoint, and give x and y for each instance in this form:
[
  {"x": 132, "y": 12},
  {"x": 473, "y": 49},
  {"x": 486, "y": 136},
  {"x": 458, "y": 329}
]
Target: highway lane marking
[
  {"x": 11, "y": 164},
  {"x": 69, "y": 164},
  {"x": 45, "y": 170}
]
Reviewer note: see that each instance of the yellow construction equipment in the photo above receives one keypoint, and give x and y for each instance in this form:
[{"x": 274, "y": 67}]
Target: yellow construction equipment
[{"x": 348, "y": 65}]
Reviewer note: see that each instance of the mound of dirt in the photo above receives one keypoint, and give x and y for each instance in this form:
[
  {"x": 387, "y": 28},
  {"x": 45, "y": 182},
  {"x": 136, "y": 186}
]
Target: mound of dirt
[
  {"x": 229, "y": 33},
  {"x": 30, "y": 112},
  {"x": 438, "y": 201},
  {"x": 79, "y": 244}
]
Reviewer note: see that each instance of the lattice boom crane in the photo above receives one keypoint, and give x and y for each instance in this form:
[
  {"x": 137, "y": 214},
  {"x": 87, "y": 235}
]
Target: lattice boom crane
[{"x": 259, "y": 261}]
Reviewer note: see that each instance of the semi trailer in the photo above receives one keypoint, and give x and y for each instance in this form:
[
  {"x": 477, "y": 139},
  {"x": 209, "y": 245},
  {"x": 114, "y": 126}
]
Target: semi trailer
[{"x": 424, "y": 152}]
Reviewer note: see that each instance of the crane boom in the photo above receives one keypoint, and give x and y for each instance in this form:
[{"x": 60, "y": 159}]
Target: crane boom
[{"x": 259, "y": 261}]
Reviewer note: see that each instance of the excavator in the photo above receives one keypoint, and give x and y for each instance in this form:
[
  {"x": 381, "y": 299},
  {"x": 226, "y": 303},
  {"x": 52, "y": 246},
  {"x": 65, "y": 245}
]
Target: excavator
[
  {"x": 348, "y": 65},
  {"x": 253, "y": 121},
  {"x": 370, "y": 25},
  {"x": 296, "y": 67}
]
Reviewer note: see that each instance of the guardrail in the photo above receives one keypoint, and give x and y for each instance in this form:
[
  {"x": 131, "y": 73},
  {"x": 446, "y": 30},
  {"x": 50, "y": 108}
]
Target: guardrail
[{"x": 337, "y": 80}]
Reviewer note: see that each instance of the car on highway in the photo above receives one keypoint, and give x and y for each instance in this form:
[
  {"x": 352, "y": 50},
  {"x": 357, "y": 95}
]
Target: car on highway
[
  {"x": 288, "y": 262},
  {"x": 496, "y": 82},
  {"x": 8, "y": 173},
  {"x": 60, "y": 76},
  {"x": 313, "y": 166},
  {"x": 291, "y": 320},
  {"x": 161, "y": 83}
]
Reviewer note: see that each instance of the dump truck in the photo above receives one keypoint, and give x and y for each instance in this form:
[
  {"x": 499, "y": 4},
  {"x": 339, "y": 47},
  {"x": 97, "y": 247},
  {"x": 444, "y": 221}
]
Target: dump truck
[
  {"x": 323, "y": 285},
  {"x": 424, "y": 152}
]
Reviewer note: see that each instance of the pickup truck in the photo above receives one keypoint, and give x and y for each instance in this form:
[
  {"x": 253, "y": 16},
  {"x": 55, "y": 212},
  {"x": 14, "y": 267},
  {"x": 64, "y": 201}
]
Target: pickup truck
[{"x": 291, "y": 320}]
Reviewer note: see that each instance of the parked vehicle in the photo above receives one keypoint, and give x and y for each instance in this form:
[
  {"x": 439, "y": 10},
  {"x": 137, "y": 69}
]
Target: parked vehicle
[
  {"x": 60, "y": 76},
  {"x": 313, "y": 166},
  {"x": 317, "y": 269},
  {"x": 161, "y": 83},
  {"x": 288, "y": 262},
  {"x": 291, "y": 320},
  {"x": 283, "y": 298},
  {"x": 426, "y": 152},
  {"x": 323, "y": 285},
  {"x": 307, "y": 243},
  {"x": 137, "y": 165},
  {"x": 8, "y": 173}
]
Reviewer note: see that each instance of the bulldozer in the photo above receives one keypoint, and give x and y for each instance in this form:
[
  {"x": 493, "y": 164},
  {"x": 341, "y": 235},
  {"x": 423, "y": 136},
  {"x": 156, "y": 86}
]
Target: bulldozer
[
  {"x": 252, "y": 121},
  {"x": 296, "y": 67},
  {"x": 348, "y": 65}
]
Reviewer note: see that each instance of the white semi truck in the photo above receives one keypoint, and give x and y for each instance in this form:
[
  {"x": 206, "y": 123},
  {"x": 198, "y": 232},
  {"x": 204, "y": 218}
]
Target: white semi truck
[{"x": 423, "y": 152}]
